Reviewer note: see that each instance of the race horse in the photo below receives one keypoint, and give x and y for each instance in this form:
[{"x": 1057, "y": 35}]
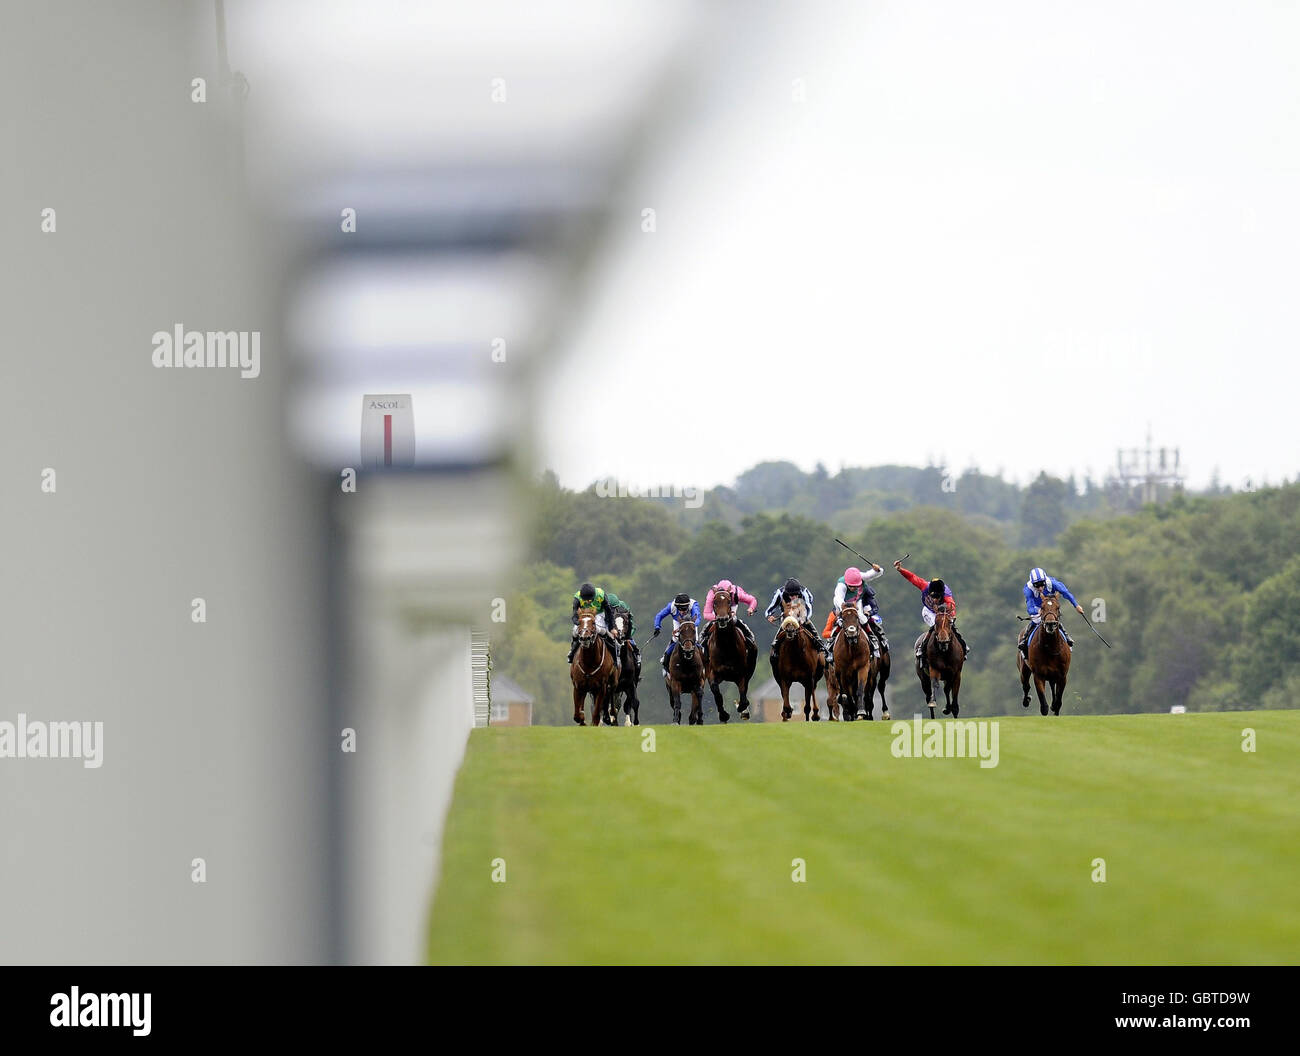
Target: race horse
[
  {"x": 1049, "y": 657},
  {"x": 941, "y": 660},
  {"x": 627, "y": 678},
  {"x": 798, "y": 658},
  {"x": 592, "y": 671},
  {"x": 882, "y": 676},
  {"x": 686, "y": 675},
  {"x": 852, "y": 676},
  {"x": 731, "y": 655}
]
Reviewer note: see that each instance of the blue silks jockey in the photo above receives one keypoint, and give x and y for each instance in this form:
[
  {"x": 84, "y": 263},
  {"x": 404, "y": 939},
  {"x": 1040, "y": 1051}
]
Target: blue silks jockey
[{"x": 1039, "y": 586}]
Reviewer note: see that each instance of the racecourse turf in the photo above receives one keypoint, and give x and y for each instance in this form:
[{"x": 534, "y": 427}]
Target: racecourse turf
[{"x": 684, "y": 855}]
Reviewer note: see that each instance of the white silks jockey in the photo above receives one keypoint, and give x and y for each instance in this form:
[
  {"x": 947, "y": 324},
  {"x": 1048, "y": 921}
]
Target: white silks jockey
[{"x": 852, "y": 589}]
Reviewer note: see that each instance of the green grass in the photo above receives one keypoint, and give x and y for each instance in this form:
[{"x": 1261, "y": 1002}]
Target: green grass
[{"x": 615, "y": 855}]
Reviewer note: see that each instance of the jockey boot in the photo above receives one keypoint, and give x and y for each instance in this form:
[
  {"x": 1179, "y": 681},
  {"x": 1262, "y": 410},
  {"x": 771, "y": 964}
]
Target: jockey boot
[
  {"x": 1024, "y": 647},
  {"x": 573, "y": 648},
  {"x": 964, "y": 647},
  {"x": 921, "y": 643},
  {"x": 1068, "y": 640},
  {"x": 822, "y": 642},
  {"x": 618, "y": 657},
  {"x": 636, "y": 658}
]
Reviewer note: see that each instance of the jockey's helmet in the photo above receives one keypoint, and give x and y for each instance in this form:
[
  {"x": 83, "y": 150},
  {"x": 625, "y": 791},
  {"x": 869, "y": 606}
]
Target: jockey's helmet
[{"x": 853, "y": 576}]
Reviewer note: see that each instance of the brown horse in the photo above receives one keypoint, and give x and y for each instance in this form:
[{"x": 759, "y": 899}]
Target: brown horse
[
  {"x": 941, "y": 660},
  {"x": 686, "y": 675},
  {"x": 731, "y": 655},
  {"x": 853, "y": 674},
  {"x": 1049, "y": 658},
  {"x": 798, "y": 659},
  {"x": 627, "y": 677},
  {"x": 592, "y": 671}
]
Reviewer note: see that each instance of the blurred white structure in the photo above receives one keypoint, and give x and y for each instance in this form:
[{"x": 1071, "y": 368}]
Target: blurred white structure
[{"x": 326, "y": 611}]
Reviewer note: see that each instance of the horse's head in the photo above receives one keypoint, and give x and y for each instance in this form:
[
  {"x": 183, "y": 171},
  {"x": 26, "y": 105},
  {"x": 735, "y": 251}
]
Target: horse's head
[
  {"x": 850, "y": 623},
  {"x": 723, "y": 604},
  {"x": 943, "y": 627},
  {"x": 686, "y": 639},
  {"x": 793, "y": 609},
  {"x": 586, "y": 628},
  {"x": 1050, "y": 612},
  {"x": 620, "y": 627}
]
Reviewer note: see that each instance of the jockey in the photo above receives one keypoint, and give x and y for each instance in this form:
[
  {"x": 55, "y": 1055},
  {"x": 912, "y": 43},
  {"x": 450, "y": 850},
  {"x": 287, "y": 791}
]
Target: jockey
[
  {"x": 852, "y": 589},
  {"x": 935, "y": 594},
  {"x": 681, "y": 608},
  {"x": 593, "y": 600},
  {"x": 738, "y": 597},
  {"x": 791, "y": 590},
  {"x": 619, "y": 608},
  {"x": 1040, "y": 586}
]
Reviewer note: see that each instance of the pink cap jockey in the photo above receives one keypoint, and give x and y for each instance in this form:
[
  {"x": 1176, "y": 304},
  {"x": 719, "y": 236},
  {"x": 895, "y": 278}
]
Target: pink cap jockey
[
  {"x": 738, "y": 592},
  {"x": 853, "y": 576}
]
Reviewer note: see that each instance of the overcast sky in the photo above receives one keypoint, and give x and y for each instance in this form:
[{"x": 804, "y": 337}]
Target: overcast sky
[{"x": 1008, "y": 235}]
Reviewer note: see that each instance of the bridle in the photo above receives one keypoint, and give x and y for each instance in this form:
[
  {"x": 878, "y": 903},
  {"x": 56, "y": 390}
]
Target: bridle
[
  {"x": 686, "y": 647},
  {"x": 788, "y": 613},
  {"x": 1051, "y": 614},
  {"x": 851, "y": 630},
  {"x": 723, "y": 619},
  {"x": 586, "y": 635},
  {"x": 943, "y": 627}
]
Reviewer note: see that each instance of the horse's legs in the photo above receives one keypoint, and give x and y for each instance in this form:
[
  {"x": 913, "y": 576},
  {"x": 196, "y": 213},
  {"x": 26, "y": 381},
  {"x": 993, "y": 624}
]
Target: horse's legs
[
  {"x": 810, "y": 698},
  {"x": 880, "y": 688},
  {"x": 675, "y": 700},
  {"x": 1024, "y": 680},
  {"x": 786, "y": 710},
  {"x": 716, "y": 687},
  {"x": 697, "y": 706},
  {"x": 743, "y": 685},
  {"x": 579, "y": 698},
  {"x": 956, "y": 689},
  {"x": 1058, "y": 691},
  {"x": 1042, "y": 700}
]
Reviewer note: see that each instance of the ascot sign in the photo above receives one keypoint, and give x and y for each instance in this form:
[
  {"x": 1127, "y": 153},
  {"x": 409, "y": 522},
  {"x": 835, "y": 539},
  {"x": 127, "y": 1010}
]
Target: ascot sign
[{"x": 387, "y": 431}]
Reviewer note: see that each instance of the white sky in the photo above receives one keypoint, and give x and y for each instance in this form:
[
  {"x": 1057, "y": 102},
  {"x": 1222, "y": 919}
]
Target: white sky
[{"x": 1056, "y": 222}]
